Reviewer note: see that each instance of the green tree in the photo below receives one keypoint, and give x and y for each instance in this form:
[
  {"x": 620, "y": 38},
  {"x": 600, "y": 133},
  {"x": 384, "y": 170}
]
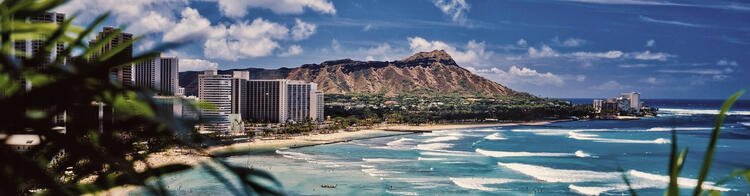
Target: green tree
[{"x": 80, "y": 87}]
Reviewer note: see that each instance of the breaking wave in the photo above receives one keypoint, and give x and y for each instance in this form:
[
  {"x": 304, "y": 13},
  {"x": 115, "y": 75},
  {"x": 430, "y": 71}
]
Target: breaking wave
[
  {"x": 679, "y": 128},
  {"x": 431, "y": 159},
  {"x": 443, "y": 139},
  {"x": 479, "y": 183},
  {"x": 688, "y": 112},
  {"x": 383, "y": 160},
  {"x": 501, "y": 154},
  {"x": 495, "y": 136},
  {"x": 612, "y": 180},
  {"x": 434, "y": 146},
  {"x": 593, "y": 137}
]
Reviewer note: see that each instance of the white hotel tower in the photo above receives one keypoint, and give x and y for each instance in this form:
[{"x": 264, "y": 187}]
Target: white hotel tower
[
  {"x": 159, "y": 74},
  {"x": 216, "y": 89}
]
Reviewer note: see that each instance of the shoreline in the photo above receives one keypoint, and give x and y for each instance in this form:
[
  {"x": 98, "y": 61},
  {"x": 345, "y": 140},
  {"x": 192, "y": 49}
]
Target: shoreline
[{"x": 173, "y": 156}]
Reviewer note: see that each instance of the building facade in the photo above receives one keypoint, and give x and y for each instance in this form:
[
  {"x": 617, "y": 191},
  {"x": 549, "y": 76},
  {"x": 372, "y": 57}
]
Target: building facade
[
  {"x": 160, "y": 74},
  {"x": 267, "y": 101},
  {"x": 216, "y": 89},
  {"x": 124, "y": 74},
  {"x": 320, "y": 105},
  {"x": 239, "y": 93}
]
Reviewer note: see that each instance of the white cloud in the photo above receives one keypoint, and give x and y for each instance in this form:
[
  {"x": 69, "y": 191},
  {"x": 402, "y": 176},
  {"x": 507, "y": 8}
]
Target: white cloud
[
  {"x": 244, "y": 40},
  {"x": 191, "y": 27},
  {"x": 570, "y": 42},
  {"x": 632, "y": 65},
  {"x": 335, "y": 45},
  {"x": 696, "y": 71},
  {"x": 671, "y": 22},
  {"x": 581, "y": 78},
  {"x": 152, "y": 22},
  {"x": 456, "y": 9},
  {"x": 196, "y": 65},
  {"x": 142, "y": 16},
  {"x": 627, "y": 2},
  {"x": 522, "y": 75},
  {"x": 611, "y": 85},
  {"x": 544, "y": 51},
  {"x": 724, "y": 62},
  {"x": 293, "y": 50},
  {"x": 367, "y": 27},
  {"x": 238, "y": 8},
  {"x": 521, "y": 42},
  {"x": 613, "y": 54},
  {"x": 369, "y": 58},
  {"x": 652, "y": 80},
  {"x": 650, "y": 43},
  {"x": 647, "y": 55},
  {"x": 473, "y": 54},
  {"x": 302, "y": 30}
]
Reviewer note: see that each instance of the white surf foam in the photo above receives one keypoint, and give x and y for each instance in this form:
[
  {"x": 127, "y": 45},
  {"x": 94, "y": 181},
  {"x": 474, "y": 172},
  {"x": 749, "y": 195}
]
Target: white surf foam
[
  {"x": 448, "y": 153},
  {"x": 679, "y": 128},
  {"x": 431, "y": 159},
  {"x": 401, "y": 192},
  {"x": 383, "y": 160},
  {"x": 444, "y": 133},
  {"x": 593, "y": 137},
  {"x": 501, "y": 154},
  {"x": 496, "y": 129},
  {"x": 585, "y": 190},
  {"x": 580, "y": 153},
  {"x": 295, "y": 155},
  {"x": 434, "y": 146},
  {"x": 495, "y": 136},
  {"x": 561, "y": 175},
  {"x": 399, "y": 142},
  {"x": 479, "y": 183},
  {"x": 378, "y": 173},
  {"x": 613, "y": 180},
  {"x": 310, "y": 158},
  {"x": 747, "y": 124},
  {"x": 443, "y": 139},
  {"x": 688, "y": 112}
]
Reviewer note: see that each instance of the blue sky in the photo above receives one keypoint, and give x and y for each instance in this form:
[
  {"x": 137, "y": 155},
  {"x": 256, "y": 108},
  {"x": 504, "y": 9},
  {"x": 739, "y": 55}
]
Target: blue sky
[{"x": 570, "y": 48}]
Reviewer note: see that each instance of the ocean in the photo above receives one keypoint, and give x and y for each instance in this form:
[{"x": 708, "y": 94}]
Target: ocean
[{"x": 568, "y": 158}]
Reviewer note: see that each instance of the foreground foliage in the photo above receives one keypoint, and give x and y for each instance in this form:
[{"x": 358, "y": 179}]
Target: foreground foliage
[{"x": 104, "y": 148}]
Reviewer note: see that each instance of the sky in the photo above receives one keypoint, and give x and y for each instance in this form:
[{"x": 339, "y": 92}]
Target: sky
[{"x": 550, "y": 48}]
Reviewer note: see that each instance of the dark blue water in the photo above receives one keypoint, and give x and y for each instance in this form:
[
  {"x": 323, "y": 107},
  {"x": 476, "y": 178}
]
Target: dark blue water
[{"x": 570, "y": 158}]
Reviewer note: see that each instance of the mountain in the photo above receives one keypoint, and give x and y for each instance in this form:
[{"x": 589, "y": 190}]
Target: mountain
[{"x": 422, "y": 73}]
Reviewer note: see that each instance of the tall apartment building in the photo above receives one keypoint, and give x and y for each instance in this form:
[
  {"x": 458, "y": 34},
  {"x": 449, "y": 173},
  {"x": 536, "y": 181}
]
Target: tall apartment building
[
  {"x": 160, "y": 74},
  {"x": 634, "y": 99},
  {"x": 216, "y": 89},
  {"x": 33, "y": 46},
  {"x": 123, "y": 74},
  {"x": 267, "y": 101},
  {"x": 281, "y": 101},
  {"x": 320, "y": 106},
  {"x": 239, "y": 93},
  {"x": 299, "y": 101}
]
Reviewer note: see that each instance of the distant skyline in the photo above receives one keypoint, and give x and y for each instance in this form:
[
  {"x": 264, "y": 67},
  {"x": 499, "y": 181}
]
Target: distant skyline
[{"x": 565, "y": 49}]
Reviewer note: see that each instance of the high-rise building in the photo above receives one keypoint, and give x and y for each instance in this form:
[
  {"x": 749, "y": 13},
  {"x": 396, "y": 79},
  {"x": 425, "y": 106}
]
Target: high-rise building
[
  {"x": 216, "y": 89},
  {"x": 320, "y": 105},
  {"x": 280, "y": 101},
  {"x": 267, "y": 100},
  {"x": 239, "y": 93},
  {"x": 121, "y": 74},
  {"x": 32, "y": 46},
  {"x": 160, "y": 74},
  {"x": 299, "y": 101}
]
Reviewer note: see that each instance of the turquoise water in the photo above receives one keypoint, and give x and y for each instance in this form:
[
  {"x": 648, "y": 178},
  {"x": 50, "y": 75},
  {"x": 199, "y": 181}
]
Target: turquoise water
[{"x": 570, "y": 158}]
